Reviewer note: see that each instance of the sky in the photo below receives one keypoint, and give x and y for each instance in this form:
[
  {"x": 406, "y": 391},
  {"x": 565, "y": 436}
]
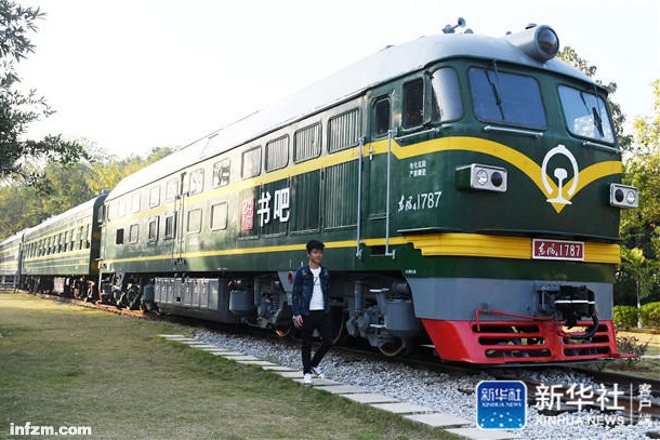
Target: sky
[{"x": 131, "y": 75}]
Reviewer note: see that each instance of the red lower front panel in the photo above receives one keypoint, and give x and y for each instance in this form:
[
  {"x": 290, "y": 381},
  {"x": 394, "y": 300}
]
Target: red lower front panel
[{"x": 504, "y": 342}]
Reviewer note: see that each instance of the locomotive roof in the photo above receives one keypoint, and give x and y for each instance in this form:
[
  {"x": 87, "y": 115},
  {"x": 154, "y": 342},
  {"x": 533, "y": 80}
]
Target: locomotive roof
[{"x": 388, "y": 64}]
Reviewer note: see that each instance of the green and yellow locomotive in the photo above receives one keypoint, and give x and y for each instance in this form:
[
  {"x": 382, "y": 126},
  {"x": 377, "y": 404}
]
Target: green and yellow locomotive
[{"x": 467, "y": 189}]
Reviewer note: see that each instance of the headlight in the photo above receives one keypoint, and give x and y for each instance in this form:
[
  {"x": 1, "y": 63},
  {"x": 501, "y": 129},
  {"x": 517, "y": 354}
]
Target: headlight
[
  {"x": 622, "y": 196},
  {"x": 481, "y": 177},
  {"x": 539, "y": 42}
]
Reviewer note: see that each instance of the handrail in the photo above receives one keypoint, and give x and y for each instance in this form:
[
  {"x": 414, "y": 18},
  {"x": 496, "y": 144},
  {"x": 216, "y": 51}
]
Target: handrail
[
  {"x": 535, "y": 134},
  {"x": 358, "y": 251},
  {"x": 601, "y": 147},
  {"x": 390, "y": 135}
]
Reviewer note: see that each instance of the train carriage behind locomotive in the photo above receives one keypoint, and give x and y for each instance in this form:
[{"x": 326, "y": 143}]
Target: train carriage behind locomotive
[
  {"x": 60, "y": 255},
  {"x": 467, "y": 188}
]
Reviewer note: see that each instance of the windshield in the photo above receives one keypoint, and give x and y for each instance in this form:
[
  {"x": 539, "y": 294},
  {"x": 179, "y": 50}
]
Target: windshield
[
  {"x": 586, "y": 114},
  {"x": 506, "y": 98}
]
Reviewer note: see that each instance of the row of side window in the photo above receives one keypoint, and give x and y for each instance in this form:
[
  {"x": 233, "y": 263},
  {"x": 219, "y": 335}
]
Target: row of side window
[
  {"x": 69, "y": 240},
  {"x": 343, "y": 132},
  {"x": 194, "y": 224}
]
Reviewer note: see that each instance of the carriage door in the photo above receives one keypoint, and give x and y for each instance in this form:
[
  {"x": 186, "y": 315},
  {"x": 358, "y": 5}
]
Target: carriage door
[
  {"x": 177, "y": 225},
  {"x": 375, "y": 166}
]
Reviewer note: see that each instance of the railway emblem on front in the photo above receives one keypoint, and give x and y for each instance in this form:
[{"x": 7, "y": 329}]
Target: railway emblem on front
[{"x": 560, "y": 174}]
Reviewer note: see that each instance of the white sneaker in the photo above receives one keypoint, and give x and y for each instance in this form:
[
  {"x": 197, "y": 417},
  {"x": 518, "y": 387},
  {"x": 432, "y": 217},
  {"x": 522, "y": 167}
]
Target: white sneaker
[
  {"x": 307, "y": 379},
  {"x": 318, "y": 372}
]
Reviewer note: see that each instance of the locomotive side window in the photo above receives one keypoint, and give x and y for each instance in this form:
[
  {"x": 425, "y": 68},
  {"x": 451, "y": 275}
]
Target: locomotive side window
[
  {"x": 196, "y": 181},
  {"x": 134, "y": 233},
  {"x": 194, "y": 220},
  {"x": 343, "y": 130},
  {"x": 119, "y": 238},
  {"x": 307, "y": 143},
  {"x": 382, "y": 117},
  {"x": 121, "y": 208},
  {"x": 506, "y": 98},
  {"x": 251, "y": 163},
  {"x": 413, "y": 103},
  {"x": 219, "y": 216},
  {"x": 586, "y": 114},
  {"x": 135, "y": 203},
  {"x": 277, "y": 153},
  {"x": 170, "y": 226},
  {"x": 171, "y": 189},
  {"x": 154, "y": 196},
  {"x": 152, "y": 229},
  {"x": 221, "y": 173},
  {"x": 447, "y": 104}
]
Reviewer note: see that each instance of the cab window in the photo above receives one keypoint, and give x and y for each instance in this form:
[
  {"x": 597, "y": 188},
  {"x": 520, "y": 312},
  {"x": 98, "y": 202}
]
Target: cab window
[
  {"x": 382, "y": 117},
  {"x": 506, "y": 98}
]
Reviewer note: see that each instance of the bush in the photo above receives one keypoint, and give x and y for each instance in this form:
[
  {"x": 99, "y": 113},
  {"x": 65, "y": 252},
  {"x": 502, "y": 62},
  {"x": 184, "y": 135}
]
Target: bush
[
  {"x": 625, "y": 317},
  {"x": 651, "y": 315},
  {"x": 631, "y": 345}
]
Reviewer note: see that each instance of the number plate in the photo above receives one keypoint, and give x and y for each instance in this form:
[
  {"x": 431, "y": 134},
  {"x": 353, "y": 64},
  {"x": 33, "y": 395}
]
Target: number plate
[{"x": 558, "y": 250}]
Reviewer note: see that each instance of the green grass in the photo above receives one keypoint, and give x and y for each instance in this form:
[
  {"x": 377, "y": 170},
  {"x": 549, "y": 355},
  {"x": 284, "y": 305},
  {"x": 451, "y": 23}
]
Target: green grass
[{"x": 67, "y": 366}]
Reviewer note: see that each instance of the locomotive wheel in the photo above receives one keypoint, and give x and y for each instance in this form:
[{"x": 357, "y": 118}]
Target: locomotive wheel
[
  {"x": 338, "y": 323},
  {"x": 392, "y": 348}
]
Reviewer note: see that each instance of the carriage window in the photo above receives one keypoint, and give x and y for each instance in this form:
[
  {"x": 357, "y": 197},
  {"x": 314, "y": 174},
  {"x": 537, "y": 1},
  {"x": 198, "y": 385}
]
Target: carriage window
[
  {"x": 586, "y": 114},
  {"x": 251, "y": 164},
  {"x": 307, "y": 143},
  {"x": 196, "y": 181},
  {"x": 447, "y": 105},
  {"x": 413, "y": 103},
  {"x": 152, "y": 230},
  {"x": 221, "y": 172},
  {"x": 506, "y": 98},
  {"x": 170, "y": 226},
  {"x": 382, "y": 117},
  {"x": 154, "y": 196},
  {"x": 195, "y": 220},
  {"x": 219, "y": 216},
  {"x": 277, "y": 153},
  {"x": 343, "y": 131},
  {"x": 171, "y": 189}
]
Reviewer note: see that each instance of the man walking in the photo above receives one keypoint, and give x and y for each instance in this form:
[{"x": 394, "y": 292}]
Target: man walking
[{"x": 310, "y": 298}]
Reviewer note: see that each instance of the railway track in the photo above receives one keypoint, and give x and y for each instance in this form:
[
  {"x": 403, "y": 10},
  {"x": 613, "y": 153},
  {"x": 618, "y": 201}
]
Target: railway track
[{"x": 627, "y": 396}]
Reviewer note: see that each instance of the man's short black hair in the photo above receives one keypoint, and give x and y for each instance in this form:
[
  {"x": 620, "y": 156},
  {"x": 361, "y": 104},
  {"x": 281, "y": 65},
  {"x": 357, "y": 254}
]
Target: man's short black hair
[{"x": 315, "y": 244}]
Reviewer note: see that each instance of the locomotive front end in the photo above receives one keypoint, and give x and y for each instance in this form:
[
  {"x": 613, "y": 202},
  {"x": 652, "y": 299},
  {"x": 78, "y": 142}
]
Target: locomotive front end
[{"x": 519, "y": 249}]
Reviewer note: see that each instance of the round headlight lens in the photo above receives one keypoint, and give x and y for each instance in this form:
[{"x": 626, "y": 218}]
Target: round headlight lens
[
  {"x": 496, "y": 179},
  {"x": 618, "y": 195},
  {"x": 631, "y": 197},
  {"x": 548, "y": 42},
  {"x": 482, "y": 177}
]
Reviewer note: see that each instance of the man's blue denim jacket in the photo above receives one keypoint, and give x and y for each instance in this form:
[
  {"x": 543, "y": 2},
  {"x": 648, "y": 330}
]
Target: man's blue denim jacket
[{"x": 303, "y": 287}]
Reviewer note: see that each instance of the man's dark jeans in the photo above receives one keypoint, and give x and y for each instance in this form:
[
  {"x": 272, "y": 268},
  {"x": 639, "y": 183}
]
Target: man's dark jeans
[{"x": 317, "y": 319}]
